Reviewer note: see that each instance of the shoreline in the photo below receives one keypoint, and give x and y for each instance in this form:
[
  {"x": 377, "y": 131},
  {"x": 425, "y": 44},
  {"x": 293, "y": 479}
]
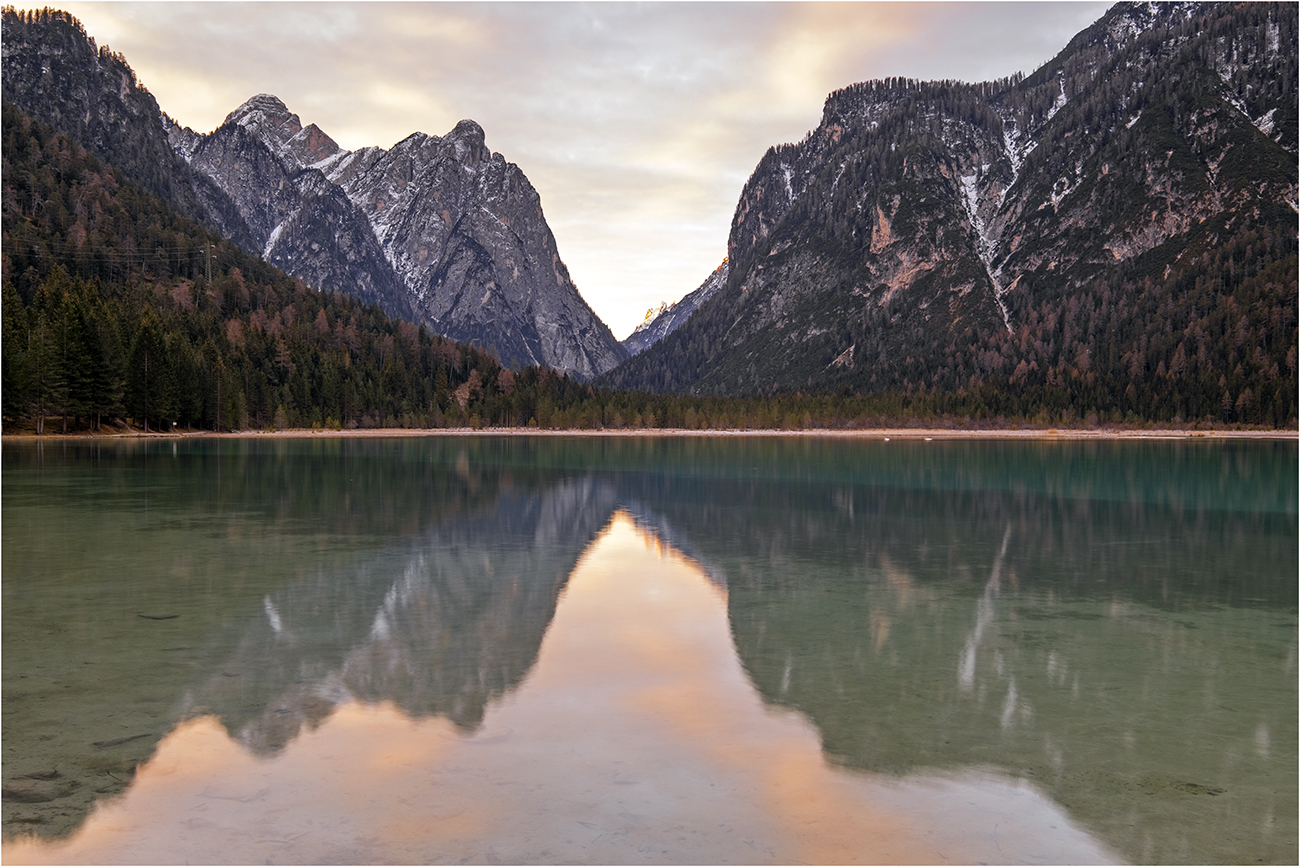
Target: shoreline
[{"x": 865, "y": 433}]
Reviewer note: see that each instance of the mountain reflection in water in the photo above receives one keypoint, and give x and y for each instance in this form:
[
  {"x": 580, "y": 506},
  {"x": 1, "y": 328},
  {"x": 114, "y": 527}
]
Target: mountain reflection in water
[
  {"x": 636, "y": 739},
  {"x": 442, "y": 664},
  {"x": 457, "y": 627}
]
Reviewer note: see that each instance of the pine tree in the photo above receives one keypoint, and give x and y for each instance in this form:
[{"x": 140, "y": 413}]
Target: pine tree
[
  {"x": 150, "y": 383},
  {"x": 13, "y": 344}
]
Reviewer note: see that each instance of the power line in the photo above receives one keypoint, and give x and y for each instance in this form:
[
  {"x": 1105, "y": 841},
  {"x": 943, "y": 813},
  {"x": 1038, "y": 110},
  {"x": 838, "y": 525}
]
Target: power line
[{"x": 118, "y": 256}]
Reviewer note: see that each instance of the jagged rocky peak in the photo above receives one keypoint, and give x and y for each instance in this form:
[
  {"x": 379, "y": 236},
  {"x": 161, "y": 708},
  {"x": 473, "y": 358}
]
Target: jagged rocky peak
[
  {"x": 266, "y": 114},
  {"x": 311, "y": 145},
  {"x": 268, "y": 118},
  {"x": 466, "y": 144},
  {"x": 470, "y": 142},
  {"x": 454, "y": 226}
]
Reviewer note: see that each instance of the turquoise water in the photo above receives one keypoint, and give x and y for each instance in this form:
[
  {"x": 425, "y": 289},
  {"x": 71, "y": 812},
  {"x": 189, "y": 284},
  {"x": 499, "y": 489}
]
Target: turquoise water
[{"x": 898, "y": 651}]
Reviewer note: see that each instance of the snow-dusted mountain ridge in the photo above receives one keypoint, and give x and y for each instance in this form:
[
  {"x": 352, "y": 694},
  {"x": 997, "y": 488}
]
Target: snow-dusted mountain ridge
[
  {"x": 460, "y": 229},
  {"x": 668, "y": 318}
]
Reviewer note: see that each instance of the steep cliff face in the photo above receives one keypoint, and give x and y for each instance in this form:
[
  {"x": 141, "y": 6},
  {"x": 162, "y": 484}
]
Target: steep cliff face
[
  {"x": 455, "y": 228},
  {"x": 296, "y": 218},
  {"x": 926, "y": 233},
  {"x": 465, "y": 229}
]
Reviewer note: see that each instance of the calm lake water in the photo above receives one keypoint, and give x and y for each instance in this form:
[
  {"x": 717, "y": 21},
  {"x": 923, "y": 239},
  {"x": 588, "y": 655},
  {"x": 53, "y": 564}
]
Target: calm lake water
[{"x": 649, "y": 650}]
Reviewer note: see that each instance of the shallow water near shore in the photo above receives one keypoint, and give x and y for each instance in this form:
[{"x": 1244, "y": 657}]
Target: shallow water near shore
[{"x": 649, "y": 650}]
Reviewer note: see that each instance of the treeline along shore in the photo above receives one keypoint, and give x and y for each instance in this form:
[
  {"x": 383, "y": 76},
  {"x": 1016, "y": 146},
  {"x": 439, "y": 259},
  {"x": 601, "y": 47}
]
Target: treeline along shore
[{"x": 120, "y": 316}]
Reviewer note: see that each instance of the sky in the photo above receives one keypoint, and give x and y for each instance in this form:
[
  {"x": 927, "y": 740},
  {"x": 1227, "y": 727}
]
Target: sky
[{"x": 637, "y": 123}]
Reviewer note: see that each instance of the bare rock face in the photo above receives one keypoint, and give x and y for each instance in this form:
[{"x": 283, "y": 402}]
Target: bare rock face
[
  {"x": 935, "y": 234},
  {"x": 445, "y": 225},
  {"x": 297, "y": 219}
]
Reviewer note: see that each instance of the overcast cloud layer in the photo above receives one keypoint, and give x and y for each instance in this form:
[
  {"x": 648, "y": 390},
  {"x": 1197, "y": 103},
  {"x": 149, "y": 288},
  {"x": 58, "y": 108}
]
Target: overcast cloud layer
[{"x": 637, "y": 123}]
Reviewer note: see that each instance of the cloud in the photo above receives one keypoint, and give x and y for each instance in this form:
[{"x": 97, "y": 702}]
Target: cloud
[{"x": 637, "y": 123}]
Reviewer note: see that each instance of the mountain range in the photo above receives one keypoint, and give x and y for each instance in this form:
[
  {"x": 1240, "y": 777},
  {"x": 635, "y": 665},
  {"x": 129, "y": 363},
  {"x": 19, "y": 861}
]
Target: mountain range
[
  {"x": 1114, "y": 232},
  {"x": 439, "y": 231},
  {"x": 1056, "y": 231}
]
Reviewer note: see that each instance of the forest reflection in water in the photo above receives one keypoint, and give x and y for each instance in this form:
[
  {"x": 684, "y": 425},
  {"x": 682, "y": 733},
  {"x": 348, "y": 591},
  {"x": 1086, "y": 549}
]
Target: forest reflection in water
[{"x": 400, "y": 651}]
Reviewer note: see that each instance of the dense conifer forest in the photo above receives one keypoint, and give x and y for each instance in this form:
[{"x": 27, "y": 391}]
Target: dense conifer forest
[{"x": 118, "y": 312}]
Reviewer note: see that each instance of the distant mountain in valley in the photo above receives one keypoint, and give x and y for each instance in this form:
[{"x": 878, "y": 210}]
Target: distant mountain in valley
[
  {"x": 1115, "y": 231},
  {"x": 668, "y": 318},
  {"x": 438, "y": 230}
]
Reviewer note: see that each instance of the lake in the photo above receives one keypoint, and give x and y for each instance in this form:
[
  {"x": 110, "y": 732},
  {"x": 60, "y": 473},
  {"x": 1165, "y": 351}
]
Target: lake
[{"x": 649, "y": 650}]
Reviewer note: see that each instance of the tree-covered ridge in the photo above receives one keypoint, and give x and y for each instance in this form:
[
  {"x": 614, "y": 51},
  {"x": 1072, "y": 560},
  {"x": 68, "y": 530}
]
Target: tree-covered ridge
[
  {"x": 90, "y": 93},
  {"x": 1214, "y": 341}
]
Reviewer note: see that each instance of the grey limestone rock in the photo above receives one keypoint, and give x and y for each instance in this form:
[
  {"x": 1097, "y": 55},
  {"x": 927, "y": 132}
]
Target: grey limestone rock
[{"x": 441, "y": 230}]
